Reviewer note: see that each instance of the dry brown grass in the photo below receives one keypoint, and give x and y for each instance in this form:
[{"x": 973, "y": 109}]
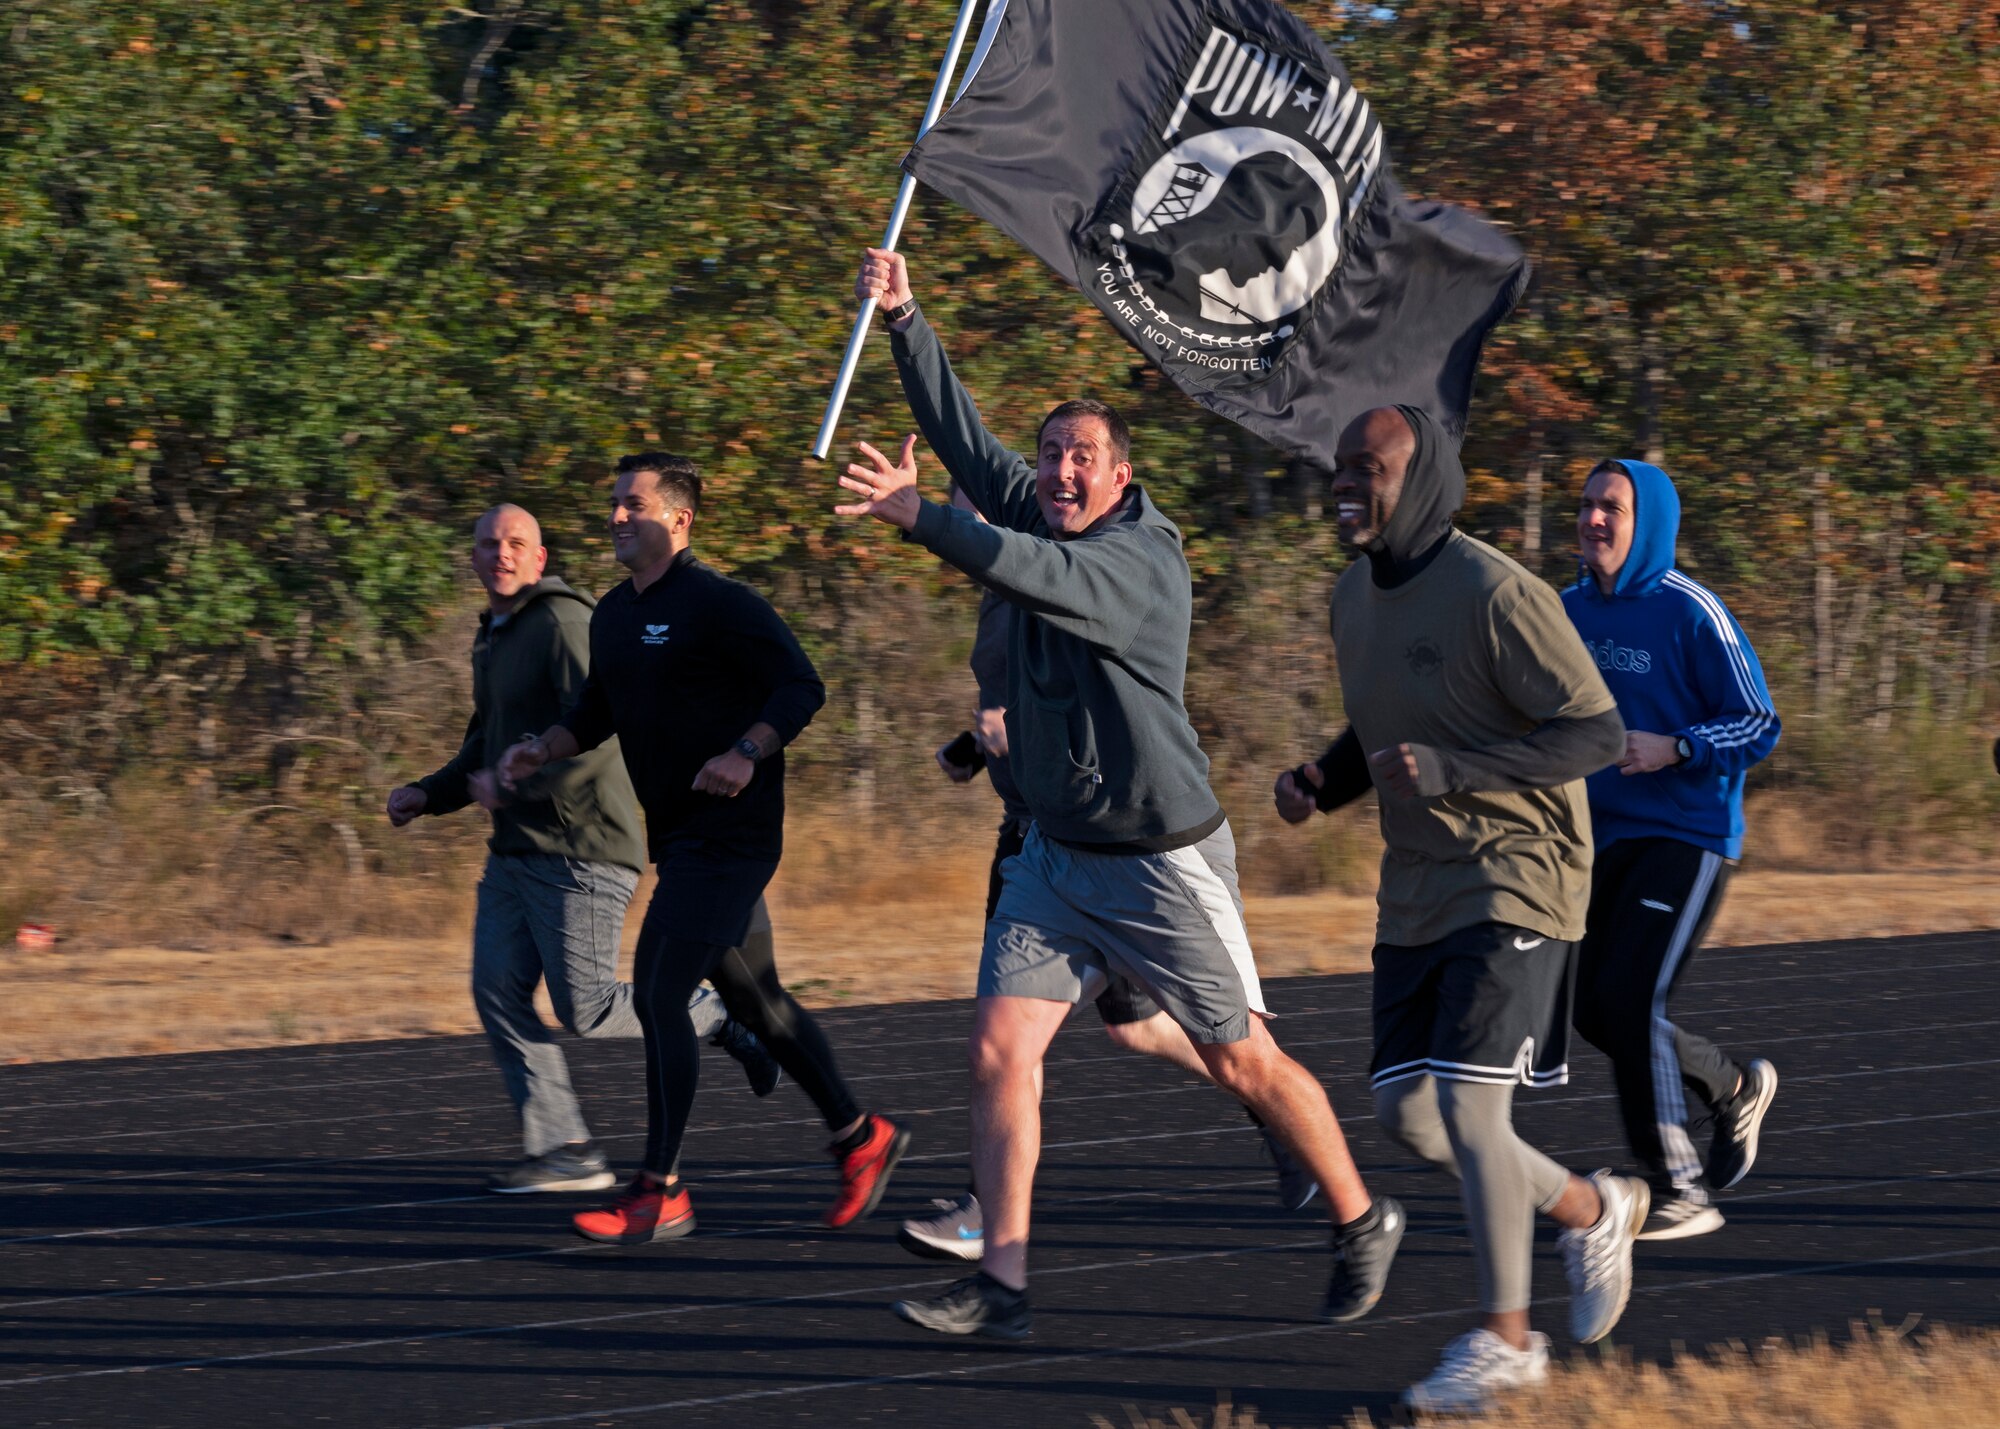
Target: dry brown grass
[
  {"x": 1879, "y": 1379},
  {"x": 868, "y": 936}
]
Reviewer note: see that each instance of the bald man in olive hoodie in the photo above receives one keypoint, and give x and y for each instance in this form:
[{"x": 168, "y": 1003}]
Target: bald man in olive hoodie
[{"x": 562, "y": 863}]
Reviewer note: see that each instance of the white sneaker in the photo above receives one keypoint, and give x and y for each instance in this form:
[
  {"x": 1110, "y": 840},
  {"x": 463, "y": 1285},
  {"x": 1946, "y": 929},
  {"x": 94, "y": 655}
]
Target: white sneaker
[
  {"x": 1476, "y": 1366},
  {"x": 1679, "y": 1217},
  {"x": 1598, "y": 1261}
]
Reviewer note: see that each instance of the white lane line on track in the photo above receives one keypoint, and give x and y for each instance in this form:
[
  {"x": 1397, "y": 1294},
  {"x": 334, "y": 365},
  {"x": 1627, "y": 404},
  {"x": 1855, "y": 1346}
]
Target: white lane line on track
[
  {"x": 958, "y": 1153},
  {"x": 1055, "y": 1063},
  {"x": 1181, "y": 1347},
  {"x": 738, "y": 1306},
  {"x": 761, "y": 1173},
  {"x": 265, "y": 1059},
  {"x": 546, "y": 1252}
]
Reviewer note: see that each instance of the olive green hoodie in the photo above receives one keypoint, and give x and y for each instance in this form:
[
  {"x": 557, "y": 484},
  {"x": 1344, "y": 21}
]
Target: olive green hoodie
[{"x": 527, "y": 668}]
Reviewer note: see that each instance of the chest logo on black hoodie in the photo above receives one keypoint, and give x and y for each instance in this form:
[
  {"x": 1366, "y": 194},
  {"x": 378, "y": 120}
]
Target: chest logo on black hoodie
[
  {"x": 655, "y": 635},
  {"x": 1424, "y": 656}
]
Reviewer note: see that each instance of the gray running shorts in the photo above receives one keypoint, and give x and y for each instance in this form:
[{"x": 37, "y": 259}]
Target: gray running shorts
[{"x": 1069, "y": 919}]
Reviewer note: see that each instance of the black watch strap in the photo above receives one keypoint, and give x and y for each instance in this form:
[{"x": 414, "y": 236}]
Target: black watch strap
[
  {"x": 900, "y": 311},
  {"x": 1684, "y": 747},
  {"x": 747, "y": 747}
]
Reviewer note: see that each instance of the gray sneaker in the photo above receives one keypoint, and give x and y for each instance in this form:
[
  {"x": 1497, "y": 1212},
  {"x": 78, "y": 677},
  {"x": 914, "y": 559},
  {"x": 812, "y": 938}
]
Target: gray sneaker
[
  {"x": 579, "y": 1167},
  {"x": 1476, "y": 1366},
  {"x": 1598, "y": 1261},
  {"x": 1734, "y": 1149},
  {"x": 976, "y": 1305},
  {"x": 1361, "y": 1260},
  {"x": 956, "y": 1232},
  {"x": 1296, "y": 1186}
]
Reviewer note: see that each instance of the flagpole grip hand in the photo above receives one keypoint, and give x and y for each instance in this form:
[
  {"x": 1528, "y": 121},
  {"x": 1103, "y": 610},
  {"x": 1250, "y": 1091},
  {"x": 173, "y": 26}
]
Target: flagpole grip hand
[{"x": 885, "y": 280}]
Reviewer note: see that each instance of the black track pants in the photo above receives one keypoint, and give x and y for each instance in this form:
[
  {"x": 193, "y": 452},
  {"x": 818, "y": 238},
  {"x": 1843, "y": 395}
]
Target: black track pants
[
  {"x": 665, "y": 973},
  {"x": 1651, "y": 901}
]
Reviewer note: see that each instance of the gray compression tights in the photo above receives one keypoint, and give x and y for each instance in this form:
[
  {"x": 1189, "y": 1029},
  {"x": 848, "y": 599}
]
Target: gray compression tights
[{"x": 1467, "y": 1128}]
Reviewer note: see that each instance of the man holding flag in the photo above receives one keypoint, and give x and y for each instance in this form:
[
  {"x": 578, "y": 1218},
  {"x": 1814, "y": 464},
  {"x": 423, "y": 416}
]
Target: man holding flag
[{"x": 1130, "y": 867}]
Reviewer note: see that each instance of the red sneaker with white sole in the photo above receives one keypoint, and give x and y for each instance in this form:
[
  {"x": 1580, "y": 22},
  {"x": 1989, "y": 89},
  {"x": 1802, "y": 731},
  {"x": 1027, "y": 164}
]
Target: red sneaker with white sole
[
  {"x": 644, "y": 1212},
  {"x": 864, "y": 1171}
]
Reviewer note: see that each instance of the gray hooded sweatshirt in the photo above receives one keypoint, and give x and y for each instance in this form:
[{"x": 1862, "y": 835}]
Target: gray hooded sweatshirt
[{"x": 1099, "y": 739}]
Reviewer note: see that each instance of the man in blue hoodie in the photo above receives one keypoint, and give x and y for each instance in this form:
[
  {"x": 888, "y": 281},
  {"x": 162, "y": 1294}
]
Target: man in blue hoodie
[{"x": 1668, "y": 822}]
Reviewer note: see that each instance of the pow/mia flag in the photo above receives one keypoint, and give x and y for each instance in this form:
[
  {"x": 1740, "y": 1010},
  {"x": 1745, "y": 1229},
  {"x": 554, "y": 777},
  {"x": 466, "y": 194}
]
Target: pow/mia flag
[{"x": 1209, "y": 176}]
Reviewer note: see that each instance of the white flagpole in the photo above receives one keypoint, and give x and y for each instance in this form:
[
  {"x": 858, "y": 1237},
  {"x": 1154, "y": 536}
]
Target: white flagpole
[{"x": 852, "y": 359}]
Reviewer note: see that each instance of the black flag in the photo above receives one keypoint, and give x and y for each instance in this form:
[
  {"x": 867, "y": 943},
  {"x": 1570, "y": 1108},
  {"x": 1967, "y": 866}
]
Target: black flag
[{"x": 1206, "y": 172}]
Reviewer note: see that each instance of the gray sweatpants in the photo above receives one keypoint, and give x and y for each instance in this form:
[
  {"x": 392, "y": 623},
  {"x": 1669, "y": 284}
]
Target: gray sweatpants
[
  {"x": 1467, "y": 1128},
  {"x": 543, "y": 917}
]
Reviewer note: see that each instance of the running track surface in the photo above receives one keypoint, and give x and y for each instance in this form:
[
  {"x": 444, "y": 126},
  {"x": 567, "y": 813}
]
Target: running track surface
[{"x": 298, "y": 1234}]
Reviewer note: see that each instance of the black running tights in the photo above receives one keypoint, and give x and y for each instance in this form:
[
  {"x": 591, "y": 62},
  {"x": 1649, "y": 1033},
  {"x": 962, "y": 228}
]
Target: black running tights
[{"x": 665, "y": 975}]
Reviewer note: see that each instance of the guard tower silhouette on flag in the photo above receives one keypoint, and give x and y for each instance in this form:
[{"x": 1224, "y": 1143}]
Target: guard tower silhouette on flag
[{"x": 1188, "y": 180}]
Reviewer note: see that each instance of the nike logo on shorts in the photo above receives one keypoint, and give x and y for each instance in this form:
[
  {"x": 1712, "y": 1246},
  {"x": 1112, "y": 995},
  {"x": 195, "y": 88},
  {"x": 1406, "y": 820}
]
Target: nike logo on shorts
[
  {"x": 1650, "y": 903},
  {"x": 1528, "y": 944}
]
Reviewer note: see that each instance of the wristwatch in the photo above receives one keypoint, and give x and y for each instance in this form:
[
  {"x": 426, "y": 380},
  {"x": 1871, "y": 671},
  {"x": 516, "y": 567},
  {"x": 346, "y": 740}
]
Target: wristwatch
[
  {"x": 747, "y": 747},
  {"x": 900, "y": 311},
  {"x": 1683, "y": 747}
]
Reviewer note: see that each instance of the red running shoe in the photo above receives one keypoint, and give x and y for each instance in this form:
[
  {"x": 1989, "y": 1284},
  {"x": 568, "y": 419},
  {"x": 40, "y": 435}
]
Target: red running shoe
[
  {"x": 864, "y": 1171},
  {"x": 645, "y": 1212}
]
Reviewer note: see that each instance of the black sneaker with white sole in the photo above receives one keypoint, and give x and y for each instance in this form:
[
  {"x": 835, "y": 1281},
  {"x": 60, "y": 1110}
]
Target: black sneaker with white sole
[
  {"x": 976, "y": 1305},
  {"x": 1734, "y": 1150},
  {"x": 760, "y": 1068},
  {"x": 581, "y": 1166},
  {"x": 1362, "y": 1254}
]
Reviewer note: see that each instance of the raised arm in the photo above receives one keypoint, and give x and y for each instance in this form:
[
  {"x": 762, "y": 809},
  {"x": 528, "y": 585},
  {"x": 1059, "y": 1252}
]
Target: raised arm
[
  {"x": 1100, "y": 589},
  {"x": 1000, "y": 482}
]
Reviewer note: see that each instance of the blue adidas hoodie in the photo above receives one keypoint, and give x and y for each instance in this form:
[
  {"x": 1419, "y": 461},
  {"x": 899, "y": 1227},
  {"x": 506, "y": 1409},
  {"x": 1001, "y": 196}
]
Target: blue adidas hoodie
[{"x": 1677, "y": 663}]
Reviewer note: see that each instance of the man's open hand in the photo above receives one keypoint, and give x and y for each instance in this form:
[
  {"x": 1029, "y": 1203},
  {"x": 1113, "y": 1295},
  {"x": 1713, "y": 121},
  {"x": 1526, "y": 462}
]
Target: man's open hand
[
  {"x": 889, "y": 493},
  {"x": 1296, "y": 803}
]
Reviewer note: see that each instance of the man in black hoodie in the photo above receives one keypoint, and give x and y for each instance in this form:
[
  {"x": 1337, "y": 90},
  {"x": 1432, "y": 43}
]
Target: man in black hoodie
[
  {"x": 564, "y": 858},
  {"x": 1476, "y": 712}
]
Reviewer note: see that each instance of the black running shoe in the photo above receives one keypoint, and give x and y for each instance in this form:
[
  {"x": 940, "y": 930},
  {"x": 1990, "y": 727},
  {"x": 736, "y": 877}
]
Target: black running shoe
[
  {"x": 1296, "y": 1186},
  {"x": 976, "y": 1305},
  {"x": 759, "y": 1066},
  {"x": 1734, "y": 1149},
  {"x": 581, "y": 1167},
  {"x": 1361, "y": 1259}
]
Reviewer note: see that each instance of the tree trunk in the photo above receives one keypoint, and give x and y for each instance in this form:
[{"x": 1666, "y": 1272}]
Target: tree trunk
[
  {"x": 1531, "y": 516},
  {"x": 1982, "y": 635},
  {"x": 1824, "y": 616},
  {"x": 1892, "y": 620}
]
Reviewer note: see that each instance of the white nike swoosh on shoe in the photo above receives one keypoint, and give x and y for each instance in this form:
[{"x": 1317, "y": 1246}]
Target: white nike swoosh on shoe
[{"x": 1531, "y": 943}]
